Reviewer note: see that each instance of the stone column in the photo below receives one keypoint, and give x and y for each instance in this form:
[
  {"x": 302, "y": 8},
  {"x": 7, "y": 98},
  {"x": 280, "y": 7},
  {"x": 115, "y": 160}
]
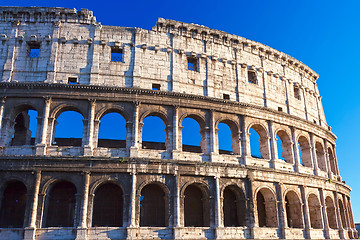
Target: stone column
[
  {"x": 2, "y": 104},
  {"x": 89, "y": 139},
  {"x": 177, "y": 209},
  {"x": 218, "y": 218},
  {"x": 313, "y": 153},
  {"x": 175, "y": 133},
  {"x": 41, "y": 147},
  {"x": 132, "y": 226},
  {"x": 31, "y": 230},
  {"x": 213, "y": 143},
  {"x": 281, "y": 209},
  {"x": 250, "y": 207},
  {"x": 81, "y": 231},
  {"x": 340, "y": 223},
  {"x": 305, "y": 212},
  {"x": 328, "y": 165},
  {"x": 272, "y": 145},
  {"x": 295, "y": 147},
  {"x": 245, "y": 141},
  {"x": 135, "y": 131},
  {"x": 324, "y": 214}
]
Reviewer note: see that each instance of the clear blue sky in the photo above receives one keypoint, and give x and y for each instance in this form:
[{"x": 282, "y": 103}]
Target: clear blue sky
[{"x": 325, "y": 35}]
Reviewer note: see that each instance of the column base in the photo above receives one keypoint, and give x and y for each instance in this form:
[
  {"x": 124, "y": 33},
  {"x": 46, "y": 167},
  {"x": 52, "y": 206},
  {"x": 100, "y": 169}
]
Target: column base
[
  {"x": 29, "y": 233},
  {"x": 134, "y": 152},
  {"x": 214, "y": 157},
  {"x": 40, "y": 149},
  {"x": 81, "y": 234},
  {"x": 132, "y": 233},
  {"x": 176, "y": 154},
  {"x": 177, "y": 234},
  {"x": 88, "y": 151}
]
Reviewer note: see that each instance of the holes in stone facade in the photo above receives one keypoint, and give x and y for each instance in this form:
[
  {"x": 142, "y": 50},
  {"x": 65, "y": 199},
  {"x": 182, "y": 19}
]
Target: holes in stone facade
[
  {"x": 13, "y": 205},
  {"x": 252, "y": 78},
  {"x": 112, "y": 131},
  {"x": 320, "y": 156},
  {"x": 297, "y": 92},
  {"x": 192, "y": 64},
  {"x": 108, "y": 206},
  {"x": 117, "y": 54},
  {"x": 25, "y": 126},
  {"x": 315, "y": 212},
  {"x": 332, "y": 161},
  {"x": 330, "y": 211},
  {"x": 280, "y": 109},
  {"x": 304, "y": 153},
  {"x": 34, "y": 50},
  {"x": 61, "y": 205},
  {"x": 192, "y": 137},
  {"x": 293, "y": 210},
  {"x": 153, "y": 206},
  {"x": 228, "y": 137},
  {"x": 342, "y": 214},
  {"x": 73, "y": 80},
  {"x": 226, "y": 96},
  {"x": 234, "y": 207},
  {"x": 259, "y": 142},
  {"x": 284, "y": 146},
  {"x": 154, "y": 133},
  {"x": 266, "y": 208},
  {"x": 68, "y": 129},
  {"x": 156, "y": 86},
  {"x": 196, "y": 207}
]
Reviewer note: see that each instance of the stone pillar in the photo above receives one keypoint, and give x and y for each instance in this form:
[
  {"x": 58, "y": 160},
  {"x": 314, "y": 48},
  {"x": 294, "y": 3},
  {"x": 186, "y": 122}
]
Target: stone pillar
[
  {"x": 245, "y": 140},
  {"x": 29, "y": 233},
  {"x": 135, "y": 131},
  {"x": 213, "y": 143},
  {"x": 89, "y": 139},
  {"x": 313, "y": 154},
  {"x": 41, "y": 147},
  {"x": 328, "y": 164},
  {"x": 175, "y": 133},
  {"x": 272, "y": 145},
  {"x": 131, "y": 229},
  {"x": 305, "y": 212},
  {"x": 339, "y": 220},
  {"x": 218, "y": 218},
  {"x": 177, "y": 207},
  {"x": 281, "y": 209},
  {"x": 324, "y": 214},
  {"x": 250, "y": 205},
  {"x": 2, "y": 104},
  {"x": 81, "y": 231}
]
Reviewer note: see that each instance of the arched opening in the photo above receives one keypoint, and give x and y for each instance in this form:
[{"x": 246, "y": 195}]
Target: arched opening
[
  {"x": 196, "y": 207},
  {"x": 192, "y": 136},
  {"x": 266, "y": 208},
  {"x": 320, "y": 156},
  {"x": 315, "y": 212},
  {"x": 284, "y": 146},
  {"x": 224, "y": 138},
  {"x": 259, "y": 142},
  {"x": 342, "y": 214},
  {"x": 330, "y": 211},
  {"x": 234, "y": 207},
  {"x": 108, "y": 206},
  {"x": 13, "y": 205},
  {"x": 305, "y": 153},
  {"x": 112, "y": 131},
  {"x": 332, "y": 161},
  {"x": 61, "y": 205},
  {"x": 69, "y": 129},
  {"x": 293, "y": 210},
  {"x": 153, "y": 206},
  {"x": 153, "y": 133},
  {"x": 25, "y": 128}
]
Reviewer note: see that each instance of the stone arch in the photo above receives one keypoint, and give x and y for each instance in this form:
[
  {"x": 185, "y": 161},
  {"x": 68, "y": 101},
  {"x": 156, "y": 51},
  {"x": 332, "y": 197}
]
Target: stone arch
[
  {"x": 330, "y": 211},
  {"x": 16, "y": 131},
  {"x": 58, "y": 110},
  {"x": 320, "y": 156},
  {"x": 293, "y": 206},
  {"x": 112, "y": 109},
  {"x": 196, "y": 205},
  {"x": 202, "y": 124},
  {"x": 332, "y": 160},
  {"x": 315, "y": 212},
  {"x": 264, "y": 139},
  {"x": 342, "y": 214},
  {"x": 287, "y": 152},
  {"x": 60, "y": 204},
  {"x": 305, "y": 151},
  {"x": 108, "y": 205},
  {"x": 13, "y": 204},
  {"x": 266, "y": 209},
  {"x": 164, "y": 118},
  {"x": 235, "y": 134},
  {"x": 154, "y": 204},
  {"x": 234, "y": 206}
]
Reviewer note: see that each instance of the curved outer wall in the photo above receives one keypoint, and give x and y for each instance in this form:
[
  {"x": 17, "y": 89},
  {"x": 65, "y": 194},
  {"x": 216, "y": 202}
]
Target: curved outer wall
[{"x": 174, "y": 71}]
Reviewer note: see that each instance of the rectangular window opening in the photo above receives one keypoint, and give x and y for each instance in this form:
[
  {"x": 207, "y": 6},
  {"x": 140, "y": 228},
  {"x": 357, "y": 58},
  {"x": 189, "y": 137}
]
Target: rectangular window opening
[
  {"x": 34, "y": 50},
  {"x": 280, "y": 109},
  {"x": 155, "y": 86},
  {"x": 297, "y": 92},
  {"x": 226, "y": 96},
  {"x": 252, "y": 77},
  {"x": 192, "y": 64},
  {"x": 117, "y": 54},
  {"x": 72, "y": 80}
]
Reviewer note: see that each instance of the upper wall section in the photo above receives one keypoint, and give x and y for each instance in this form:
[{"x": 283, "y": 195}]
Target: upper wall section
[{"x": 58, "y": 45}]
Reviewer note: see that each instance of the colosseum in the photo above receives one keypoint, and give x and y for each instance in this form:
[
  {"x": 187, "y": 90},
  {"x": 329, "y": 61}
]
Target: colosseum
[{"x": 56, "y": 60}]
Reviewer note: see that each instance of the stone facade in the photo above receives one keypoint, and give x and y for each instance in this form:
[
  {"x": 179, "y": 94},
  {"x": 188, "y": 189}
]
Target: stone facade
[{"x": 54, "y": 60}]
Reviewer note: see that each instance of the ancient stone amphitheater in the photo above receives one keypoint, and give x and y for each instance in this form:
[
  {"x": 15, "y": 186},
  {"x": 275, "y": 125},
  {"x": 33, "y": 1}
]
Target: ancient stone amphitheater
[{"x": 55, "y": 60}]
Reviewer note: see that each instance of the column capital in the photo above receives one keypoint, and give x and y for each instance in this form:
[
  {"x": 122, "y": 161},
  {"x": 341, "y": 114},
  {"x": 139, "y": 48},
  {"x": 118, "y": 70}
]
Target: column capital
[{"x": 2, "y": 100}]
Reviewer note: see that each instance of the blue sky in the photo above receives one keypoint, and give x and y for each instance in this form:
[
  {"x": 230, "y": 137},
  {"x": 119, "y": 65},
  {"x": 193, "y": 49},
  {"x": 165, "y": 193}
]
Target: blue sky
[{"x": 323, "y": 34}]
